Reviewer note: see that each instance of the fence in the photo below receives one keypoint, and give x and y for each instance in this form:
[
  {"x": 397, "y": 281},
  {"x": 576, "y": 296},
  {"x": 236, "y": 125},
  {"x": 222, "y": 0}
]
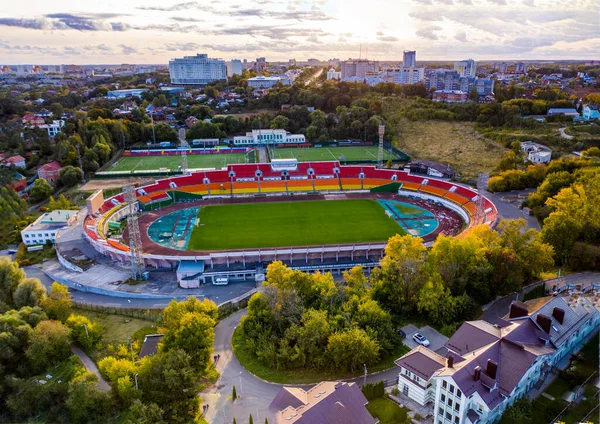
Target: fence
[{"x": 152, "y": 314}]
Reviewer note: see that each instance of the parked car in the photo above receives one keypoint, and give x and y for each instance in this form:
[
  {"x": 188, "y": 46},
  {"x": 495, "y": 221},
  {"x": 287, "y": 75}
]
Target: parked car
[
  {"x": 401, "y": 332},
  {"x": 421, "y": 339}
]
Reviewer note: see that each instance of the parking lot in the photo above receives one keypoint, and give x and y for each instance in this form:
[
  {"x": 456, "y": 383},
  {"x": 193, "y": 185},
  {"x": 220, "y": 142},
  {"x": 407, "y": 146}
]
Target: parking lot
[{"x": 436, "y": 339}]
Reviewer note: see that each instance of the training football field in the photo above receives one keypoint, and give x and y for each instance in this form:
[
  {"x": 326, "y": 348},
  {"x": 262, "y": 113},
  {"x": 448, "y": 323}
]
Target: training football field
[
  {"x": 145, "y": 163},
  {"x": 259, "y": 225},
  {"x": 315, "y": 154}
]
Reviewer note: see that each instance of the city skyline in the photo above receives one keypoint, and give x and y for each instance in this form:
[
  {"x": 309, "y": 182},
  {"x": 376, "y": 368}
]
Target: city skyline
[{"x": 111, "y": 32}]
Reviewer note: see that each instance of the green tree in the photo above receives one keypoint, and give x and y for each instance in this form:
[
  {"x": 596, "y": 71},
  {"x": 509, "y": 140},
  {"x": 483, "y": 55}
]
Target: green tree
[
  {"x": 30, "y": 292},
  {"x": 233, "y": 394},
  {"x": 48, "y": 345},
  {"x": 84, "y": 332},
  {"x": 352, "y": 348},
  {"x": 40, "y": 190},
  {"x": 437, "y": 302},
  {"x": 280, "y": 122},
  {"x": 86, "y": 402},
  {"x": 69, "y": 176},
  {"x": 164, "y": 132},
  {"x": 57, "y": 110},
  {"x": 473, "y": 94},
  {"x": 144, "y": 413},
  {"x": 58, "y": 302},
  {"x": 250, "y": 420},
  {"x": 10, "y": 278}
]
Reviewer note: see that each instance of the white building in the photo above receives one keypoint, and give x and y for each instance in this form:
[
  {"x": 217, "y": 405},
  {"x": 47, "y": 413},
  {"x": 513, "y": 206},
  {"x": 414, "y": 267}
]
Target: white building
[
  {"x": 122, "y": 94},
  {"x": 404, "y": 75},
  {"x": 264, "y": 137},
  {"x": 491, "y": 365},
  {"x": 44, "y": 228},
  {"x": 234, "y": 67},
  {"x": 267, "y": 82},
  {"x": 53, "y": 128},
  {"x": 465, "y": 68},
  {"x": 358, "y": 69},
  {"x": 536, "y": 153},
  {"x": 332, "y": 74},
  {"x": 409, "y": 59},
  {"x": 197, "y": 70}
]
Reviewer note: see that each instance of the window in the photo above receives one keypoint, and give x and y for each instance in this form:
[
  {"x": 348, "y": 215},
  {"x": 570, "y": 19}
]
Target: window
[
  {"x": 441, "y": 412},
  {"x": 458, "y": 392},
  {"x": 451, "y": 388},
  {"x": 457, "y": 419},
  {"x": 443, "y": 398},
  {"x": 480, "y": 407},
  {"x": 456, "y": 406},
  {"x": 444, "y": 384},
  {"x": 449, "y": 402},
  {"x": 448, "y": 416}
]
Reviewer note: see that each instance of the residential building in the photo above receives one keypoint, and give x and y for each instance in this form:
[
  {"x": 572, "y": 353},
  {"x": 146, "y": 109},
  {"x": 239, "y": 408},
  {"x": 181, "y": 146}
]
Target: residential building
[
  {"x": 18, "y": 183},
  {"x": 266, "y": 82},
  {"x": 563, "y": 111},
  {"x": 44, "y": 228},
  {"x": 329, "y": 402},
  {"x": 491, "y": 365},
  {"x": 18, "y": 161},
  {"x": 191, "y": 121},
  {"x": 53, "y": 128},
  {"x": 123, "y": 94},
  {"x": 409, "y": 59},
  {"x": 234, "y": 67},
  {"x": 332, "y": 74},
  {"x": 485, "y": 86},
  {"x": 50, "y": 171},
  {"x": 520, "y": 68},
  {"x": 197, "y": 70},
  {"x": 291, "y": 63},
  {"x": 465, "y": 68},
  {"x": 358, "y": 68},
  {"x": 314, "y": 62},
  {"x": 264, "y": 137},
  {"x": 590, "y": 113},
  {"x": 449, "y": 96},
  {"x": 502, "y": 67},
  {"x": 536, "y": 153},
  {"x": 30, "y": 120},
  {"x": 404, "y": 75},
  {"x": 261, "y": 64}
]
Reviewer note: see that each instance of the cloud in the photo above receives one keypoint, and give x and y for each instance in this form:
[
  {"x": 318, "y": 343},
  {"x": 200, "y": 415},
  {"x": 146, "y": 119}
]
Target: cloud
[
  {"x": 460, "y": 36},
  {"x": 386, "y": 38},
  {"x": 127, "y": 50},
  {"x": 26, "y": 23},
  {"x": 182, "y": 46},
  {"x": 428, "y": 32},
  {"x": 174, "y": 7},
  {"x": 63, "y": 21}
]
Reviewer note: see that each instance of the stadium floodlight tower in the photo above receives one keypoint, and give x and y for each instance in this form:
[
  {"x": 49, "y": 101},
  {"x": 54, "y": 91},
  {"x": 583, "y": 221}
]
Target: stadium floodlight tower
[
  {"x": 135, "y": 237},
  {"x": 380, "y": 153},
  {"x": 482, "y": 183},
  {"x": 184, "y": 164}
]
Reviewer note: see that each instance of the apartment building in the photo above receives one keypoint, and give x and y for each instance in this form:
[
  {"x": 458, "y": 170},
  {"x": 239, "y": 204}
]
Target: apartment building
[
  {"x": 465, "y": 68},
  {"x": 358, "y": 68},
  {"x": 197, "y": 70}
]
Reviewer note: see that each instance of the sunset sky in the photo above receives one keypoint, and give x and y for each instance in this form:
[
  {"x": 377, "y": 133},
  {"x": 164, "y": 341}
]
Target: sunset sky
[{"x": 154, "y": 31}]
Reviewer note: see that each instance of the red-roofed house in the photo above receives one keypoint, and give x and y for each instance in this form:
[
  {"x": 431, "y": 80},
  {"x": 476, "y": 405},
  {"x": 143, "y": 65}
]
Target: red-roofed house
[
  {"x": 31, "y": 120},
  {"x": 18, "y": 183},
  {"x": 17, "y": 160},
  {"x": 50, "y": 171}
]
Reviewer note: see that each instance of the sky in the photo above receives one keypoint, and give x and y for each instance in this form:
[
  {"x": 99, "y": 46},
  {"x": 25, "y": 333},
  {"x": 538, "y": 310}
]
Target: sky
[{"x": 155, "y": 31}]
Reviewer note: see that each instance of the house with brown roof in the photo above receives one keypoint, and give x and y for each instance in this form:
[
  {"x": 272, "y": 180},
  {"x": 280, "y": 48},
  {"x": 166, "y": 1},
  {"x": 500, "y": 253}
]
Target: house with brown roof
[
  {"x": 17, "y": 160},
  {"x": 491, "y": 365},
  {"x": 50, "y": 171},
  {"x": 329, "y": 402}
]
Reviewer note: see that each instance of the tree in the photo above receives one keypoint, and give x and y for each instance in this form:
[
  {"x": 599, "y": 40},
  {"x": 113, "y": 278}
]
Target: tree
[
  {"x": 58, "y": 302},
  {"x": 144, "y": 413},
  {"x": 10, "y": 278},
  {"x": 233, "y": 394},
  {"x": 351, "y": 348},
  {"x": 30, "y": 292},
  {"x": 164, "y": 132},
  {"x": 250, "y": 420},
  {"x": 86, "y": 402},
  {"x": 437, "y": 302},
  {"x": 40, "y": 190},
  {"x": 473, "y": 94},
  {"x": 69, "y": 176},
  {"x": 280, "y": 122},
  {"x": 84, "y": 332},
  {"x": 57, "y": 110},
  {"x": 49, "y": 344}
]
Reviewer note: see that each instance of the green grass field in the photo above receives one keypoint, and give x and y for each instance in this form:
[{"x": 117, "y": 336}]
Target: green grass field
[
  {"x": 309, "y": 223},
  {"x": 314, "y": 154},
  {"x": 143, "y": 163}
]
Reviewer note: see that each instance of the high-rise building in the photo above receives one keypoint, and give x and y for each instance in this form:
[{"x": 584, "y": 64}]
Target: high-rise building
[
  {"x": 500, "y": 66},
  {"x": 197, "y": 70},
  {"x": 260, "y": 65},
  {"x": 409, "y": 59},
  {"x": 404, "y": 75},
  {"x": 234, "y": 67},
  {"x": 466, "y": 68},
  {"x": 358, "y": 68},
  {"x": 520, "y": 68}
]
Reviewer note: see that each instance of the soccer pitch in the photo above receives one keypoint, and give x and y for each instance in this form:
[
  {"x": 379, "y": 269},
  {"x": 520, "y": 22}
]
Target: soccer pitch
[
  {"x": 145, "y": 163},
  {"x": 260, "y": 225},
  {"x": 316, "y": 154}
]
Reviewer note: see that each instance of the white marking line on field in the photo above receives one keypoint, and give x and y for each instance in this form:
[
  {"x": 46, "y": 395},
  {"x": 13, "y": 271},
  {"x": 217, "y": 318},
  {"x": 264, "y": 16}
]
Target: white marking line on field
[
  {"x": 332, "y": 155},
  {"x": 369, "y": 152}
]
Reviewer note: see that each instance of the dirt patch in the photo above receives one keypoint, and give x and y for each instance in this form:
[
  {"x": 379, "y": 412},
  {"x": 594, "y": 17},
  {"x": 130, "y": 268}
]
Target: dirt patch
[
  {"x": 115, "y": 183},
  {"x": 457, "y": 144}
]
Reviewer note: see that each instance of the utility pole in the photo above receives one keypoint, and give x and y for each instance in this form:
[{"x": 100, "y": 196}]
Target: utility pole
[
  {"x": 365, "y": 377},
  {"x": 80, "y": 164},
  {"x": 153, "y": 134},
  {"x": 380, "y": 153}
]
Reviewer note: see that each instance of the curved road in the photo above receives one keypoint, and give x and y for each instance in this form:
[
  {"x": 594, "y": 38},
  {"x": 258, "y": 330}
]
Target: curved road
[{"x": 563, "y": 134}]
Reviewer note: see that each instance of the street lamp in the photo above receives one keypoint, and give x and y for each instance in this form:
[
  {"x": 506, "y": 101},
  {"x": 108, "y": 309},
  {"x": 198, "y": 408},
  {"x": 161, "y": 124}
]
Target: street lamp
[
  {"x": 241, "y": 389},
  {"x": 86, "y": 330},
  {"x": 136, "y": 382}
]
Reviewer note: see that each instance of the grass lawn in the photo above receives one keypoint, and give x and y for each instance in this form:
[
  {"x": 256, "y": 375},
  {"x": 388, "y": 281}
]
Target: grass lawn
[
  {"x": 457, "y": 144},
  {"x": 408, "y": 210},
  {"x": 142, "y": 163},
  {"x": 291, "y": 224},
  {"x": 306, "y": 376},
  {"x": 315, "y": 154},
  {"x": 118, "y": 328},
  {"x": 388, "y": 411}
]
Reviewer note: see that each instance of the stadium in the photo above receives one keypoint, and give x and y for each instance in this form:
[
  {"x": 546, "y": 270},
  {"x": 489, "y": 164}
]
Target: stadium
[{"x": 216, "y": 226}]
